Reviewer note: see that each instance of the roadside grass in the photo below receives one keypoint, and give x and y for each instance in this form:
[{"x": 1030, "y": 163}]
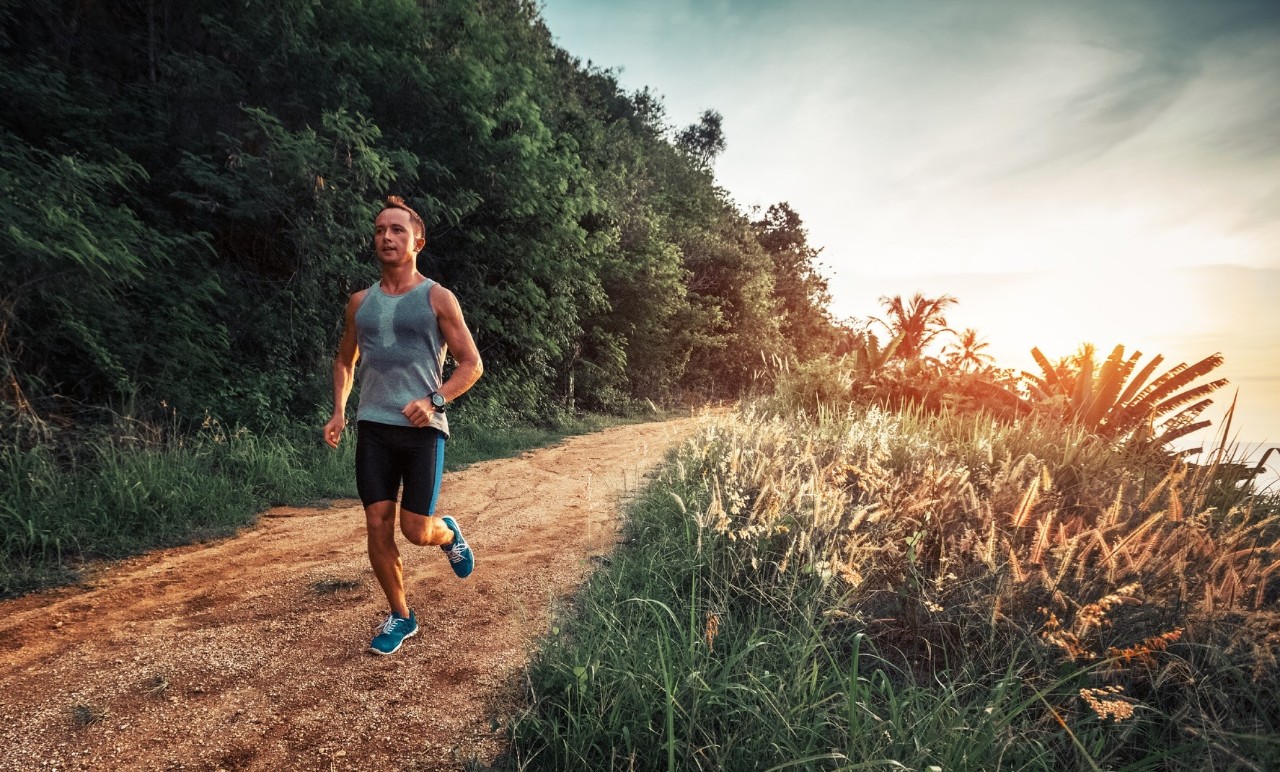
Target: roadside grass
[
  {"x": 472, "y": 443},
  {"x": 116, "y": 495},
  {"x": 866, "y": 590}
]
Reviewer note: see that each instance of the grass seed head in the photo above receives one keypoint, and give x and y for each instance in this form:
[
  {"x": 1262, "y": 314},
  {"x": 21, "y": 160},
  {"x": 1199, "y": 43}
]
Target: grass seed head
[{"x": 1108, "y": 702}]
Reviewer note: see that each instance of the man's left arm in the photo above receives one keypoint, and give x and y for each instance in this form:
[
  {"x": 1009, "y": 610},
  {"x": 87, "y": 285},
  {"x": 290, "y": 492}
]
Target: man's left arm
[{"x": 463, "y": 348}]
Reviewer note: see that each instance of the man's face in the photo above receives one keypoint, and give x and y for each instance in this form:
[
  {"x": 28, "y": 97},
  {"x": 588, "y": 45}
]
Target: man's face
[{"x": 393, "y": 238}]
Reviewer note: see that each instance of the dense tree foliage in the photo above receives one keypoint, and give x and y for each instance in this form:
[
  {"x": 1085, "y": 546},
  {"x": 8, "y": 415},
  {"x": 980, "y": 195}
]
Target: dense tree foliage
[{"x": 188, "y": 190}]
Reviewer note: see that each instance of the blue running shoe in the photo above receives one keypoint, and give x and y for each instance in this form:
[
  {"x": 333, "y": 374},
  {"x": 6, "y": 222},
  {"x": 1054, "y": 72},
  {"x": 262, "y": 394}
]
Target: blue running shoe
[
  {"x": 459, "y": 552},
  {"x": 393, "y": 632}
]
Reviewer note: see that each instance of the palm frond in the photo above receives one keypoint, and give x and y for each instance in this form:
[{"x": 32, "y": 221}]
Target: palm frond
[
  {"x": 1136, "y": 384},
  {"x": 1050, "y": 373},
  {"x": 1187, "y": 414},
  {"x": 1169, "y": 436},
  {"x": 1175, "y": 379},
  {"x": 1183, "y": 397},
  {"x": 1082, "y": 394},
  {"x": 1110, "y": 380}
]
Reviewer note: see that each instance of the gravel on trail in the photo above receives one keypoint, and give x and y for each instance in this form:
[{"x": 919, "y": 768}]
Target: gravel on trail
[{"x": 251, "y": 652}]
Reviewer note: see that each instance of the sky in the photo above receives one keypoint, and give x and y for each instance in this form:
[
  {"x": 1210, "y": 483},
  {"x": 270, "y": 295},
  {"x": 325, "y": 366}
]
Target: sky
[{"x": 1070, "y": 170}]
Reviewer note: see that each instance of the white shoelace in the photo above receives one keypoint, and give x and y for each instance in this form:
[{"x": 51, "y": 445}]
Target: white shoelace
[
  {"x": 455, "y": 552},
  {"x": 389, "y": 624}
]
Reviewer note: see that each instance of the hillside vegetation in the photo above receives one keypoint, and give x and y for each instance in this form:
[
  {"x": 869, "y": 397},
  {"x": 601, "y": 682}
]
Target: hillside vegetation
[
  {"x": 189, "y": 192},
  {"x": 188, "y": 197}
]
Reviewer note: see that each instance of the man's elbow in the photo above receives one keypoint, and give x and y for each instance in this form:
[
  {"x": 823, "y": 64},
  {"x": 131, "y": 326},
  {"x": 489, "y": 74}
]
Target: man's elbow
[{"x": 478, "y": 369}]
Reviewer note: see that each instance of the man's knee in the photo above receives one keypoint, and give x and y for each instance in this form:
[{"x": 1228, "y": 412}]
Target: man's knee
[{"x": 380, "y": 518}]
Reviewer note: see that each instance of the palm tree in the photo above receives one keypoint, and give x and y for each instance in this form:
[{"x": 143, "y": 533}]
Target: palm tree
[
  {"x": 919, "y": 321},
  {"x": 967, "y": 355},
  {"x": 1114, "y": 405}
]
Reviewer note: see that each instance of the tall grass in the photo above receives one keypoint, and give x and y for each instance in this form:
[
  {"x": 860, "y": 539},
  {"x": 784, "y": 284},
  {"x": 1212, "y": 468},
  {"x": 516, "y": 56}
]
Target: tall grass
[
  {"x": 117, "y": 495},
  {"x": 867, "y": 589},
  {"x": 663, "y": 666}
]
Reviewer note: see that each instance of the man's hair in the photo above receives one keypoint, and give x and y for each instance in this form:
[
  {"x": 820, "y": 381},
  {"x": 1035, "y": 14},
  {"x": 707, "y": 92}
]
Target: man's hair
[{"x": 395, "y": 202}]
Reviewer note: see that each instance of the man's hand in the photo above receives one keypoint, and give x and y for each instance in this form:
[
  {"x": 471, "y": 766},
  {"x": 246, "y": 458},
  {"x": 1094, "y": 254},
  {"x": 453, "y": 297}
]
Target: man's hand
[
  {"x": 333, "y": 430},
  {"x": 419, "y": 412}
]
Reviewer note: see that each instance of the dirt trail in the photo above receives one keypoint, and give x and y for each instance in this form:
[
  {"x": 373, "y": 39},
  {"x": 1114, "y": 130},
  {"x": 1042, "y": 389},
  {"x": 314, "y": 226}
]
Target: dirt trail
[{"x": 250, "y": 653}]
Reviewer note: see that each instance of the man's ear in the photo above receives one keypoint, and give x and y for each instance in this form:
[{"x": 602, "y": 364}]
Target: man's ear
[{"x": 419, "y": 243}]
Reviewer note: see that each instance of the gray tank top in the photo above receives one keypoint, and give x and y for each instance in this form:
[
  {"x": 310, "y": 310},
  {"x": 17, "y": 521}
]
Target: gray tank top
[{"x": 401, "y": 354}]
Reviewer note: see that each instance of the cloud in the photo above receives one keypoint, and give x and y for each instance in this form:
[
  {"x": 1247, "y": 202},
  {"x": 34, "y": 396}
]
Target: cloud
[
  {"x": 1137, "y": 62},
  {"x": 1264, "y": 212}
]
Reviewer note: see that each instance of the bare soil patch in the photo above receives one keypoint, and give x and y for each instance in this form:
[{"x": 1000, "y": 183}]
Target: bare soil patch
[{"x": 250, "y": 653}]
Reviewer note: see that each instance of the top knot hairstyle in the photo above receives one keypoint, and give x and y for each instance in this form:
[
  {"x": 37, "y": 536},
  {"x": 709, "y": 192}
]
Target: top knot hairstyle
[{"x": 396, "y": 202}]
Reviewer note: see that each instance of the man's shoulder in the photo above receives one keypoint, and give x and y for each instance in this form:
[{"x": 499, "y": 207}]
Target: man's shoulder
[
  {"x": 357, "y": 298},
  {"x": 441, "y": 294}
]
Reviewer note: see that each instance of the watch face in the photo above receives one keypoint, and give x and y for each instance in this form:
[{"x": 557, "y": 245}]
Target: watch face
[{"x": 437, "y": 400}]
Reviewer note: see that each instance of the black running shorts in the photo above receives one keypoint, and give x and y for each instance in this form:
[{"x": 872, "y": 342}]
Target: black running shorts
[{"x": 387, "y": 456}]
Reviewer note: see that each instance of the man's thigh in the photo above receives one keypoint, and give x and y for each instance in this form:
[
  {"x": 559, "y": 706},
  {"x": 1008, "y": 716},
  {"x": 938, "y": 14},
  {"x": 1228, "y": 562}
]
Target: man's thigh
[
  {"x": 378, "y": 464},
  {"x": 423, "y": 469}
]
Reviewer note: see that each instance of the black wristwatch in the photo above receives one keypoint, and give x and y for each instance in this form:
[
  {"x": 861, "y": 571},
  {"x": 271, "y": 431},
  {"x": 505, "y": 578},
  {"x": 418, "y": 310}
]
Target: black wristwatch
[{"x": 437, "y": 401}]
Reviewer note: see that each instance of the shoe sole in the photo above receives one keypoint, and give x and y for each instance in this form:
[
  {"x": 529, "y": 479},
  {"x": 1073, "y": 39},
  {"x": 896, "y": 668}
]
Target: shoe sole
[{"x": 382, "y": 653}]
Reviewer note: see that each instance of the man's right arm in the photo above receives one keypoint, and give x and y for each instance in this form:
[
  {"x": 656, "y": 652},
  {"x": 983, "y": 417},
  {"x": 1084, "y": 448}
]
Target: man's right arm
[{"x": 344, "y": 371}]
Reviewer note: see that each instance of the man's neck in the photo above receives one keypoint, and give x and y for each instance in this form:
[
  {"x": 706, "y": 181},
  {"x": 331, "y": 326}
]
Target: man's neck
[{"x": 399, "y": 279}]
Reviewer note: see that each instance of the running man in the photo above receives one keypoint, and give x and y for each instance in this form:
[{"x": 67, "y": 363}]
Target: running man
[{"x": 402, "y": 325}]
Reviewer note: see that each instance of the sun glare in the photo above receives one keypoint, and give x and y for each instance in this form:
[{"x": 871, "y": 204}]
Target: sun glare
[{"x": 1150, "y": 310}]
